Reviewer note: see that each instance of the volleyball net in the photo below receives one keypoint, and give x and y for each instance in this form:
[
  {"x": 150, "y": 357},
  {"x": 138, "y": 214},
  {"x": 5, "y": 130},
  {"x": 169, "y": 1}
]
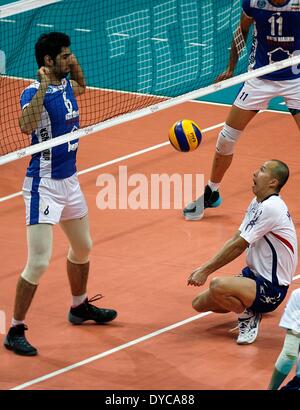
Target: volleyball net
[{"x": 138, "y": 57}]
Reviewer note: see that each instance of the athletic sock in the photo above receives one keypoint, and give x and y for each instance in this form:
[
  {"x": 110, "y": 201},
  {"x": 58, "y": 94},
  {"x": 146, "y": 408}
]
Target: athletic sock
[
  {"x": 213, "y": 186},
  {"x": 78, "y": 300},
  {"x": 15, "y": 322}
]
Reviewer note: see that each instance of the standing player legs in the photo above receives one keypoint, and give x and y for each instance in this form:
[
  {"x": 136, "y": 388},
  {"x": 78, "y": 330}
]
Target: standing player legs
[
  {"x": 238, "y": 119},
  {"x": 78, "y": 233},
  {"x": 236, "y": 122}
]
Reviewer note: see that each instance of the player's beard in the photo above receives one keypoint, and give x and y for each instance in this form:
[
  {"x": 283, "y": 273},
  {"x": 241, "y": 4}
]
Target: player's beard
[
  {"x": 65, "y": 75},
  {"x": 62, "y": 74}
]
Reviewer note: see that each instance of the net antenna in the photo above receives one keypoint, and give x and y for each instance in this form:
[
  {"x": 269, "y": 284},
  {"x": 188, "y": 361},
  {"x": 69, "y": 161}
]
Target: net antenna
[{"x": 239, "y": 40}]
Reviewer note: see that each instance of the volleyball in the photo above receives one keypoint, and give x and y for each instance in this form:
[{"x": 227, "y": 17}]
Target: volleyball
[{"x": 185, "y": 135}]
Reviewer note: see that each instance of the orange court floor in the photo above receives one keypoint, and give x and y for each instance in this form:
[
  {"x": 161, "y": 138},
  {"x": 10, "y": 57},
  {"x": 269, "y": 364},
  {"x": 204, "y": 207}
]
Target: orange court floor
[{"x": 140, "y": 262}]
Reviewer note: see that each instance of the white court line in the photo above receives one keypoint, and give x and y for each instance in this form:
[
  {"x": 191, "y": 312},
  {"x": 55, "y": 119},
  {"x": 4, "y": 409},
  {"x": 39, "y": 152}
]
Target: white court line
[
  {"x": 119, "y": 159},
  {"x": 269, "y": 110},
  {"x": 114, "y": 350},
  {"x": 109, "y": 352}
]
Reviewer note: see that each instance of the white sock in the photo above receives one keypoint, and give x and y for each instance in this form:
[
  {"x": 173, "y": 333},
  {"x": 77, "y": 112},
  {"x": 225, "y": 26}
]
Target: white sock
[
  {"x": 213, "y": 186},
  {"x": 15, "y": 322},
  {"x": 78, "y": 300}
]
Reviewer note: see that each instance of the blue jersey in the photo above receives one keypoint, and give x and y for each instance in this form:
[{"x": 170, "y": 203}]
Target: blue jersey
[
  {"x": 276, "y": 35},
  {"x": 59, "y": 116}
]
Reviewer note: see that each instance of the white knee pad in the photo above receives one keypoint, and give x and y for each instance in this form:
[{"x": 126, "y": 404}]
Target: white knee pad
[
  {"x": 81, "y": 256},
  {"x": 227, "y": 140},
  {"x": 39, "y": 240},
  {"x": 289, "y": 354},
  {"x": 34, "y": 270},
  {"x": 78, "y": 233}
]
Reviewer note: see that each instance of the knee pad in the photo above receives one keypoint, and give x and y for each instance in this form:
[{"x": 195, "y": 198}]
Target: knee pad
[
  {"x": 289, "y": 354},
  {"x": 227, "y": 140},
  {"x": 34, "y": 270},
  {"x": 79, "y": 239},
  {"x": 39, "y": 252},
  {"x": 80, "y": 256}
]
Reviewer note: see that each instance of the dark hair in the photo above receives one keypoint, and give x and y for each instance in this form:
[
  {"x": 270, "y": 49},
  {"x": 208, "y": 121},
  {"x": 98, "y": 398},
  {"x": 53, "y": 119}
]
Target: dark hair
[
  {"x": 50, "y": 44},
  {"x": 281, "y": 172}
]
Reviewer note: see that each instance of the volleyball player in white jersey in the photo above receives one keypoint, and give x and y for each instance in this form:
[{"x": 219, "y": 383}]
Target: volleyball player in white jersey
[
  {"x": 269, "y": 236},
  {"x": 290, "y": 352},
  {"x": 276, "y": 36},
  {"x": 51, "y": 189}
]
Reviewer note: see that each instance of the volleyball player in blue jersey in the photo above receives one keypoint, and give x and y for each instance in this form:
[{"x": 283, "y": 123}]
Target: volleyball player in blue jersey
[
  {"x": 276, "y": 36},
  {"x": 51, "y": 188}
]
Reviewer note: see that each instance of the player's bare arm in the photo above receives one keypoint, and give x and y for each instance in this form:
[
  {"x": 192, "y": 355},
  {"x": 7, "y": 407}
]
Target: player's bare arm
[
  {"x": 32, "y": 113},
  {"x": 230, "y": 251},
  {"x": 237, "y": 45},
  {"x": 77, "y": 76}
]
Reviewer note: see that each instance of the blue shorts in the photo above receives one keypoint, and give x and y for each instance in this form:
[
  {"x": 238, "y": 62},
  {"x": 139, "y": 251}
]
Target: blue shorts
[{"x": 268, "y": 296}]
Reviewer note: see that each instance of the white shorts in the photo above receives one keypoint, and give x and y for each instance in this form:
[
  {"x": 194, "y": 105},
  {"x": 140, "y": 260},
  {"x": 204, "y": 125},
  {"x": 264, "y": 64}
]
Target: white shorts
[
  {"x": 256, "y": 94},
  {"x": 50, "y": 200},
  {"x": 291, "y": 316}
]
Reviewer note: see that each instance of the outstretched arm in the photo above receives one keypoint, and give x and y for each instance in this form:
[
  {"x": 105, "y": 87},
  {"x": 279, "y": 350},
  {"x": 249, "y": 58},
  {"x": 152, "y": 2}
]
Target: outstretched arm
[{"x": 230, "y": 251}]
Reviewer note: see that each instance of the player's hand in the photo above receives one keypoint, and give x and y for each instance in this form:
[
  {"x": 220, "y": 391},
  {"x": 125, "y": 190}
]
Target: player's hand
[
  {"x": 44, "y": 76},
  {"x": 198, "y": 277},
  {"x": 73, "y": 60},
  {"x": 224, "y": 76}
]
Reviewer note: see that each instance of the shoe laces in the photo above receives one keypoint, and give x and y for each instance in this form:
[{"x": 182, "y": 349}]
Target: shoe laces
[
  {"x": 20, "y": 329},
  {"x": 94, "y": 298},
  {"x": 20, "y": 338},
  {"x": 243, "y": 325},
  {"x": 89, "y": 305}
]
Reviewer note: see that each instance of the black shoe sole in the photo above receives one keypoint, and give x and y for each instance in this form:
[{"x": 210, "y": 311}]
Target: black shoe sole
[{"x": 75, "y": 320}]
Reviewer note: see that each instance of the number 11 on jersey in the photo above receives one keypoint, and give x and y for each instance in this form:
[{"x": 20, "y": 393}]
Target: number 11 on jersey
[{"x": 276, "y": 21}]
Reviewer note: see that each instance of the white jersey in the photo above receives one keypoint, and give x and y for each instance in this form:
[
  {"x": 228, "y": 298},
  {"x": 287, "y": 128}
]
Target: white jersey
[
  {"x": 291, "y": 316},
  {"x": 272, "y": 238}
]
